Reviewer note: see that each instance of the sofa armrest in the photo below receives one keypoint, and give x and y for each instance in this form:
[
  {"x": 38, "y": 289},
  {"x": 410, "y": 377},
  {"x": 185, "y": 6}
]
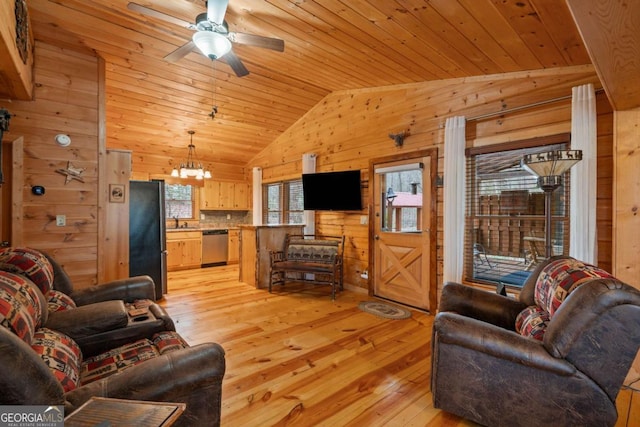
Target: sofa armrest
[
  {"x": 276, "y": 256},
  {"x": 161, "y": 314},
  {"x": 89, "y": 320},
  {"x": 192, "y": 375},
  {"x": 481, "y": 305},
  {"x": 128, "y": 290},
  {"x": 454, "y": 329}
]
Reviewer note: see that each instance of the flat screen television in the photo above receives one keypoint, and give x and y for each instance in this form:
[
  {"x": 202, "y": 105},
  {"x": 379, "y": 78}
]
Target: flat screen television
[{"x": 332, "y": 191}]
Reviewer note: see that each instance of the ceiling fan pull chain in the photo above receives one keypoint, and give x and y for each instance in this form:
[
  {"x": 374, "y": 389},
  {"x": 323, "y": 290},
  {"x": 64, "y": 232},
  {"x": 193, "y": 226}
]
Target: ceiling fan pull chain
[{"x": 214, "y": 104}]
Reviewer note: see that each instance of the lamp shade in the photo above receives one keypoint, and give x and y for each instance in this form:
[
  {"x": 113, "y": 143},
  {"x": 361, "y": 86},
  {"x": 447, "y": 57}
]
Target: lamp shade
[
  {"x": 212, "y": 44},
  {"x": 551, "y": 163}
]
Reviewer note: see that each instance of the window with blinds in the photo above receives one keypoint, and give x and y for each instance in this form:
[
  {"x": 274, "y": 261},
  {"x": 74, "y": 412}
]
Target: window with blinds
[
  {"x": 178, "y": 201},
  {"x": 283, "y": 203},
  {"x": 505, "y": 214}
]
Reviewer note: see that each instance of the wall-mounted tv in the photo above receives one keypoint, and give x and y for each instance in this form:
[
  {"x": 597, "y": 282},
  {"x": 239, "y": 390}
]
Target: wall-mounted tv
[{"x": 332, "y": 191}]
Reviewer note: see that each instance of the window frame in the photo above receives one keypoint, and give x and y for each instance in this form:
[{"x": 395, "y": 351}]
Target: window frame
[
  {"x": 284, "y": 203},
  {"x": 471, "y": 251},
  {"x": 194, "y": 211}
]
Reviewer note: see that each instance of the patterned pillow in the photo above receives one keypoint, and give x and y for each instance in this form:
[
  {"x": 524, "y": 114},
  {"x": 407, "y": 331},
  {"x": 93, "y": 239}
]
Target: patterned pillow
[
  {"x": 29, "y": 263},
  {"x": 20, "y": 306},
  {"x": 61, "y": 354},
  {"x": 312, "y": 250},
  {"x": 116, "y": 360},
  {"x": 559, "y": 278},
  {"x": 532, "y": 322},
  {"x": 59, "y": 302}
]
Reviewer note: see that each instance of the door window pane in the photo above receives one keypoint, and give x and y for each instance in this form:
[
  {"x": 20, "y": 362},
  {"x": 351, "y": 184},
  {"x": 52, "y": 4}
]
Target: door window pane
[{"x": 402, "y": 201}]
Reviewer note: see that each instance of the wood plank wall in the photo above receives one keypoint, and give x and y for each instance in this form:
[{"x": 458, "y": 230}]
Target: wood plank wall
[
  {"x": 65, "y": 101},
  {"x": 348, "y": 128}
]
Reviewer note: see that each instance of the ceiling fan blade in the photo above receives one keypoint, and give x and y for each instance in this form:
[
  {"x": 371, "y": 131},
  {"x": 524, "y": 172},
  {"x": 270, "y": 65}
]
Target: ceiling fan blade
[
  {"x": 216, "y": 9},
  {"x": 236, "y": 64},
  {"x": 259, "y": 41},
  {"x": 180, "y": 52},
  {"x": 158, "y": 15}
]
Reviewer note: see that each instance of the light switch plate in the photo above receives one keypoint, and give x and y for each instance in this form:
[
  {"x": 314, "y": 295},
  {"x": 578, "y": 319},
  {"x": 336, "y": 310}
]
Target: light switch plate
[{"x": 61, "y": 220}]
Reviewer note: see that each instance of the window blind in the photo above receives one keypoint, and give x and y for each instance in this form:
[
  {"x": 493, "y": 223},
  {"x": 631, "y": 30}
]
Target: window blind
[{"x": 505, "y": 216}]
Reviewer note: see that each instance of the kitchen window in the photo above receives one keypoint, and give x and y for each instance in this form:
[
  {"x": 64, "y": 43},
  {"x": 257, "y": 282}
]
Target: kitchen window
[
  {"x": 283, "y": 203},
  {"x": 179, "y": 201}
]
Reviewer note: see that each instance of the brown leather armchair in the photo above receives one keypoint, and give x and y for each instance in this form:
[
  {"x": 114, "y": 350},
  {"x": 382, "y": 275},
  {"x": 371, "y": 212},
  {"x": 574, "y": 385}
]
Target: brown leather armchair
[{"x": 566, "y": 368}]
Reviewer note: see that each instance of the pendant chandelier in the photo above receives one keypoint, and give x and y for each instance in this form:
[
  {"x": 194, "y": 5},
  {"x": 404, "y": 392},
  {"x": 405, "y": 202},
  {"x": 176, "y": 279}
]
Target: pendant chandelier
[{"x": 192, "y": 168}]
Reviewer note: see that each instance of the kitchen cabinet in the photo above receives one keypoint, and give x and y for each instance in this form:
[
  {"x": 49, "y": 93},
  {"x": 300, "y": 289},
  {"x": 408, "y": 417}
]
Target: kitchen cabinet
[
  {"x": 224, "y": 195},
  {"x": 234, "y": 246},
  {"x": 241, "y": 196},
  {"x": 210, "y": 195},
  {"x": 184, "y": 250}
]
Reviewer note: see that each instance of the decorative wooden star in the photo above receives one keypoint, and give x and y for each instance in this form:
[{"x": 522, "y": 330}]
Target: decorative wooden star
[{"x": 71, "y": 173}]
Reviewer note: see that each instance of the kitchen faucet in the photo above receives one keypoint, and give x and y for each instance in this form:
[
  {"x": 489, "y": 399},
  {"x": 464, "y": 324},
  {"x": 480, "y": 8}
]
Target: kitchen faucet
[{"x": 177, "y": 224}]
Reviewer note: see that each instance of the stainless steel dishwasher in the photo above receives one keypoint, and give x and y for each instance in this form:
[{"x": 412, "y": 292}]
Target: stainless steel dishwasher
[{"x": 215, "y": 247}]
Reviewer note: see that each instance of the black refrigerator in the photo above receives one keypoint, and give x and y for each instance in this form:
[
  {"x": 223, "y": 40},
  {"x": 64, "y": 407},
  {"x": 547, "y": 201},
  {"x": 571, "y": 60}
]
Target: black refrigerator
[{"x": 147, "y": 241}]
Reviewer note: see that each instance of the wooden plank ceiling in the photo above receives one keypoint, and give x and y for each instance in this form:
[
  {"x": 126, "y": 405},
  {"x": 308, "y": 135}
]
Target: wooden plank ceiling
[{"x": 330, "y": 45}]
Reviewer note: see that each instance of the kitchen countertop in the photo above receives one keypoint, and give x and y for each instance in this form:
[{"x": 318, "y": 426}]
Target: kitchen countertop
[{"x": 171, "y": 230}]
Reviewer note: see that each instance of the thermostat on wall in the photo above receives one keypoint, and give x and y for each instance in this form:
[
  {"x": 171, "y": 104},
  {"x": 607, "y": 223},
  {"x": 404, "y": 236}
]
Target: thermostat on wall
[
  {"x": 63, "y": 140},
  {"x": 37, "y": 190}
]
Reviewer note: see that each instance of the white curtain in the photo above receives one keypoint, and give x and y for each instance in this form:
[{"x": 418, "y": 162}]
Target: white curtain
[
  {"x": 257, "y": 196},
  {"x": 309, "y": 166},
  {"x": 454, "y": 197},
  {"x": 583, "y": 239}
]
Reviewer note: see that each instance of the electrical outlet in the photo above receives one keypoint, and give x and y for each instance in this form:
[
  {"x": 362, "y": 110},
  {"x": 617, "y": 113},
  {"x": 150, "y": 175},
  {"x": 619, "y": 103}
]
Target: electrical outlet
[
  {"x": 61, "y": 220},
  {"x": 228, "y": 216},
  {"x": 364, "y": 219}
]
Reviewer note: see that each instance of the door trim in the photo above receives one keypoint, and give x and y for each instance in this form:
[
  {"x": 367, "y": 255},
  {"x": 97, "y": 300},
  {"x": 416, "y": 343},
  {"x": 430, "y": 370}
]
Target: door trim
[{"x": 432, "y": 153}]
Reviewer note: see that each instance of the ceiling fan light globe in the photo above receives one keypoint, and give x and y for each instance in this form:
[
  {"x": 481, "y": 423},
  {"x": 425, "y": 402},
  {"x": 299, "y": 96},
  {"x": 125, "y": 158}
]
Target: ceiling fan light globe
[
  {"x": 175, "y": 173},
  {"x": 212, "y": 45}
]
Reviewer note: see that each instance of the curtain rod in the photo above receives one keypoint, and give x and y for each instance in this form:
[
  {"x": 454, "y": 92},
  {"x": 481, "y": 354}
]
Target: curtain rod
[{"x": 523, "y": 107}]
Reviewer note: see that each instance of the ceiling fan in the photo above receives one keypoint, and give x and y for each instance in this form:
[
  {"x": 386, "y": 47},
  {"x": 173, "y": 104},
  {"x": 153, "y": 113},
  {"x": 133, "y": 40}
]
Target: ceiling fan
[{"x": 212, "y": 36}]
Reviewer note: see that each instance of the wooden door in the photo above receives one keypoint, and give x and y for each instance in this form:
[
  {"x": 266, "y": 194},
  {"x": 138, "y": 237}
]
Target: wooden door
[{"x": 403, "y": 228}]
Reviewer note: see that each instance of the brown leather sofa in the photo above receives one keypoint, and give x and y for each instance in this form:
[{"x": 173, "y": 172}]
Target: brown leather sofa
[
  {"x": 40, "y": 365},
  {"x": 562, "y": 367},
  {"x": 95, "y": 317}
]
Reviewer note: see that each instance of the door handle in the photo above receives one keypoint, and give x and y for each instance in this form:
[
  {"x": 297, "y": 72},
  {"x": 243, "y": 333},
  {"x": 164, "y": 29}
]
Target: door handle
[{"x": 376, "y": 237}]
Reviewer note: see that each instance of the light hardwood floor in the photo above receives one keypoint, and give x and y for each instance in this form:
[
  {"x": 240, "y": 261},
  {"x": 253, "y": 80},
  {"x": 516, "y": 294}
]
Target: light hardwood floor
[{"x": 297, "y": 358}]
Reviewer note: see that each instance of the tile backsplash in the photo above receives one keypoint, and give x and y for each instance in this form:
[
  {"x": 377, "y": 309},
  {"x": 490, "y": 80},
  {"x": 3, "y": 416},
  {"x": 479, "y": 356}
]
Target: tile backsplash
[{"x": 222, "y": 219}]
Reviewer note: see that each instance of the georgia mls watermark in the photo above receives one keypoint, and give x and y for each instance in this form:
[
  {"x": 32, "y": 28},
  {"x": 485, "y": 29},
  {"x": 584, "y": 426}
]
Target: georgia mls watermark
[{"x": 31, "y": 416}]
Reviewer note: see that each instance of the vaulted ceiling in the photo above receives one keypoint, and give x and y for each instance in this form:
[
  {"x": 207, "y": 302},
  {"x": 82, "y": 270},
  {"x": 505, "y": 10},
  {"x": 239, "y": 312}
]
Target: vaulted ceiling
[{"x": 330, "y": 45}]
